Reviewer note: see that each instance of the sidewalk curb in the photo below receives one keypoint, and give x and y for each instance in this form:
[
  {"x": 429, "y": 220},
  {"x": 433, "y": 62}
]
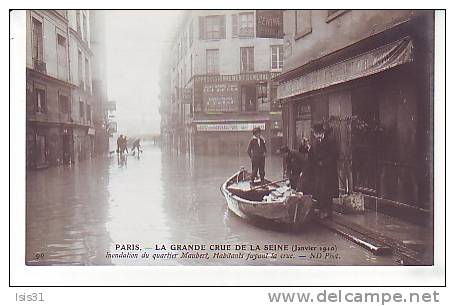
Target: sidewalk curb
[
  {"x": 375, "y": 242},
  {"x": 372, "y": 245}
]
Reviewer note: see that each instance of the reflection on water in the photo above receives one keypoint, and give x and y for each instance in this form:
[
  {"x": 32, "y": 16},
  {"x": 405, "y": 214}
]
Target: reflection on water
[{"x": 77, "y": 214}]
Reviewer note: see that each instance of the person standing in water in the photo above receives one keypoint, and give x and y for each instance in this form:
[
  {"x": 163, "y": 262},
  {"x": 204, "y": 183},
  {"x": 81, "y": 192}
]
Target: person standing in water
[
  {"x": 323, "y": 159},
  {"x": 136, "y": 144},
  {"x": 257, "y": 151}
]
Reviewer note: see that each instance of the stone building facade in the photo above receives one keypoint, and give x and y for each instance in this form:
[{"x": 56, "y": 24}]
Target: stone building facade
[{"x": 63, "y": 113}]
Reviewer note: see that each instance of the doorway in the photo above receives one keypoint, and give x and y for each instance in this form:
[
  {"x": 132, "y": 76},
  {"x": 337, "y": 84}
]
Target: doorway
[
  {"x": 67, "y": 144},
  {"x": 248, "y": 95},
  {"x": 364, "y": 139}
]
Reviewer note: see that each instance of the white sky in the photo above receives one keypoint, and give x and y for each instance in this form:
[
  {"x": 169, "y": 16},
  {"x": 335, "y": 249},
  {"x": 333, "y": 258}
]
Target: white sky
[{"x": 135, "y": 43}]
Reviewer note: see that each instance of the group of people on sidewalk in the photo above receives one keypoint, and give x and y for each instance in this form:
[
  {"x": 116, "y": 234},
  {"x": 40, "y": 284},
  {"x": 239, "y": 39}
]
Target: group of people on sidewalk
[
  {"x": 122, "y": 145},
  {"x": 312, "y": 169}
]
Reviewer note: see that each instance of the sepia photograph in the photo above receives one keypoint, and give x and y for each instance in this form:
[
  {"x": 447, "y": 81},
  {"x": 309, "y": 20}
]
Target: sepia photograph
[{"x": 229, "y": 137}]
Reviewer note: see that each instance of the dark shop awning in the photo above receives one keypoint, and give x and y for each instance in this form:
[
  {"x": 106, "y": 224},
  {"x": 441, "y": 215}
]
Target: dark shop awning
[{"x": 368, "y": 63}]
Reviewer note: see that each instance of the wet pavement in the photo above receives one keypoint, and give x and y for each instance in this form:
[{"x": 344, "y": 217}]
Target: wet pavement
[{"x": 82, "y": 214}]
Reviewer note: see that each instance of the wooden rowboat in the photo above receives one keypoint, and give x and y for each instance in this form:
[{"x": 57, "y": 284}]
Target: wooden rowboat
[{"x": 274, "y": 202}]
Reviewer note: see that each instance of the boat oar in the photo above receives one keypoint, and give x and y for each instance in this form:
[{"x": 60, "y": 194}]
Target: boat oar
[{"x": 268, "y": 184}]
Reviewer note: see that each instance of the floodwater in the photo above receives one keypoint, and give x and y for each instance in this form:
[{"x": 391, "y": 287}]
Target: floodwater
[{"x": 106, "y": 210}]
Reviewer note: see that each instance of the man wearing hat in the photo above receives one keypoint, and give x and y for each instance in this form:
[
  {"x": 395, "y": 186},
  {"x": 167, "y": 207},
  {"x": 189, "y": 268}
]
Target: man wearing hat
[
  {"x": 324, "y": 159},
  {"x": 256, "y": 151}
]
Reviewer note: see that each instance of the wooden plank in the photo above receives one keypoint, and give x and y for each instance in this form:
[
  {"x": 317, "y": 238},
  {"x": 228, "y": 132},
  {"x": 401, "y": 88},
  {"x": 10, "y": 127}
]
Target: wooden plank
[
  {"x": 372, "y": 245},
  {"x": 408, "y": 255}
]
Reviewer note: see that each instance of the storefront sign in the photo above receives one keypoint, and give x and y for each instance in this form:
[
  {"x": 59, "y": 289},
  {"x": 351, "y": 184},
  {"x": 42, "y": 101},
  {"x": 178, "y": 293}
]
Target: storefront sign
[
  {"x": 269, "y": 23},
  {"x": 229, "y": 127},
  {"x": 221, "y": 97},
  {"x": 91, "y": 131},
  {"x": 252, "y": 76},
  {"x": 380, "y": 59}
]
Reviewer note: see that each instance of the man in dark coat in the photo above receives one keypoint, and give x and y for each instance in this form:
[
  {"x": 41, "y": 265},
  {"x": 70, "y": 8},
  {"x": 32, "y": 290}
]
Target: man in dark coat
[
  {"x": 324, "y": 156},
  {"x": 256, "y": 151},
  {"x": 306, "y": 183},
  {"x": 119, "y": 143},
  {"x": 293, "y": 166}
]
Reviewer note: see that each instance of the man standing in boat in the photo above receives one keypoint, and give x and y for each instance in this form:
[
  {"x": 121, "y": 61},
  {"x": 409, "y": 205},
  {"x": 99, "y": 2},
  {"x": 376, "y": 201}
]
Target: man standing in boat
[
  {"x": 324, "y": 157},
  {"x": 256, "y": 151}
]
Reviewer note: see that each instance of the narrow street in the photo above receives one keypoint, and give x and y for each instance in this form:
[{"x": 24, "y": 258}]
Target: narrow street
[{"x": 76, "y": 214}]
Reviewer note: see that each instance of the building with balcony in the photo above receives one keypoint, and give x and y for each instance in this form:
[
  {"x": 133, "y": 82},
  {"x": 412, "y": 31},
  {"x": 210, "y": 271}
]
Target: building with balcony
[
  {"x": 61, "y": 106},
  {"x": 368, "y": 76},
  {"x": 218, "y": 84}
]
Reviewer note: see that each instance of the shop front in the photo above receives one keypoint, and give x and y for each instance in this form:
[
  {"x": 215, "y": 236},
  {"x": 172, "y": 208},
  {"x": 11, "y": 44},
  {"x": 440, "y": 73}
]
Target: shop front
[
  {"x": 372, "y": 106},
  {"x": 221, "y": 137},
  {"x": 226, "y": 108}
]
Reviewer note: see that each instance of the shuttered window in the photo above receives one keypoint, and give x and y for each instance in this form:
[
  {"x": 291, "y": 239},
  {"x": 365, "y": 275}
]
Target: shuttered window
[
  {"x": 64, "y": 103},
  {"x": 78, "y": 22},
  {"x": 61, "y": 57},
  {"x": 247, "y": 59},
  {"x": 235, "y": 25},
  {"x": 276, "y": 57},
  {"x": 190, "y": 34},
  {"x": 37, "y": 36},
  {"x": 212, "y": 27},
  {"x": 302, "y": 23},
  {"x": 246, "y": 25},
  {"x": 87, "y": 76},
  {"x": 40, "y": 100},
  {"x": 212, "y": 58},
  {"x": 79, "y": 69}
]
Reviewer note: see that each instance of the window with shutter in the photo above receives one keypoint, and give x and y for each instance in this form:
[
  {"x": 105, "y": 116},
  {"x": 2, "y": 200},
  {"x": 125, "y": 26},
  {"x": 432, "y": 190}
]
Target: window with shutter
[
  {"x": 302, "y": 23},
  {"x": 247, "y": 59},
  {"x": 84, "y": 27},
  {"x": 64, "y": 104},
  {"x": 87, "y": 76},
  {"x": 190, "y": 34},
  {"x": 201, "y": 27},
  {"x": 61, "y": 57},
  {"x": 79, "y": 69},
  {"x": 235, "y": 25},
  {"x": 276, "y": 57},
  {"x": 89, "y": 113},
  {"x": 81, "y": 110},
  {"x": 37, "y": 36},
  {"x": 78, "y": 22},
  {"x": 212, "y": 61},
  {"x": 40, "y": 100},
  {"x": 212, "y": 27},
  {"x": 246, "y": 25},
  {"x": 222, "y": 22}
]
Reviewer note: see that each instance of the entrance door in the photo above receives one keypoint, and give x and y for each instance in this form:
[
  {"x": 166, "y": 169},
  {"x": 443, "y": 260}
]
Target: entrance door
[
  {"x": 66, "y": 149},
  {"x": 365, "y": 140},
  {"x": 40, "y": 150},
  {"x": 248, "y": 98}
]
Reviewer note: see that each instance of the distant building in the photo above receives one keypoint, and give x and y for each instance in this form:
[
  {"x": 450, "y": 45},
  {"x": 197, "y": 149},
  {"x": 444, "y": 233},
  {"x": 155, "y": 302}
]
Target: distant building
[
  {"x": 368, "y": 74},
  {"x": 64, "y": 116},
  {"x": 218, "y": 84}
]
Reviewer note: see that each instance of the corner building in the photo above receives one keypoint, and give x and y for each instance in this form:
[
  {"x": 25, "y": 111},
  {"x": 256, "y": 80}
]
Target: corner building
[
  {"x": 60, "y": 102},
  {"x": 221, "y": 83}
]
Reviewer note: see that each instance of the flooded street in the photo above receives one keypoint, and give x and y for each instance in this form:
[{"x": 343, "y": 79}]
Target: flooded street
[{"x": 76, "y": 215}]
